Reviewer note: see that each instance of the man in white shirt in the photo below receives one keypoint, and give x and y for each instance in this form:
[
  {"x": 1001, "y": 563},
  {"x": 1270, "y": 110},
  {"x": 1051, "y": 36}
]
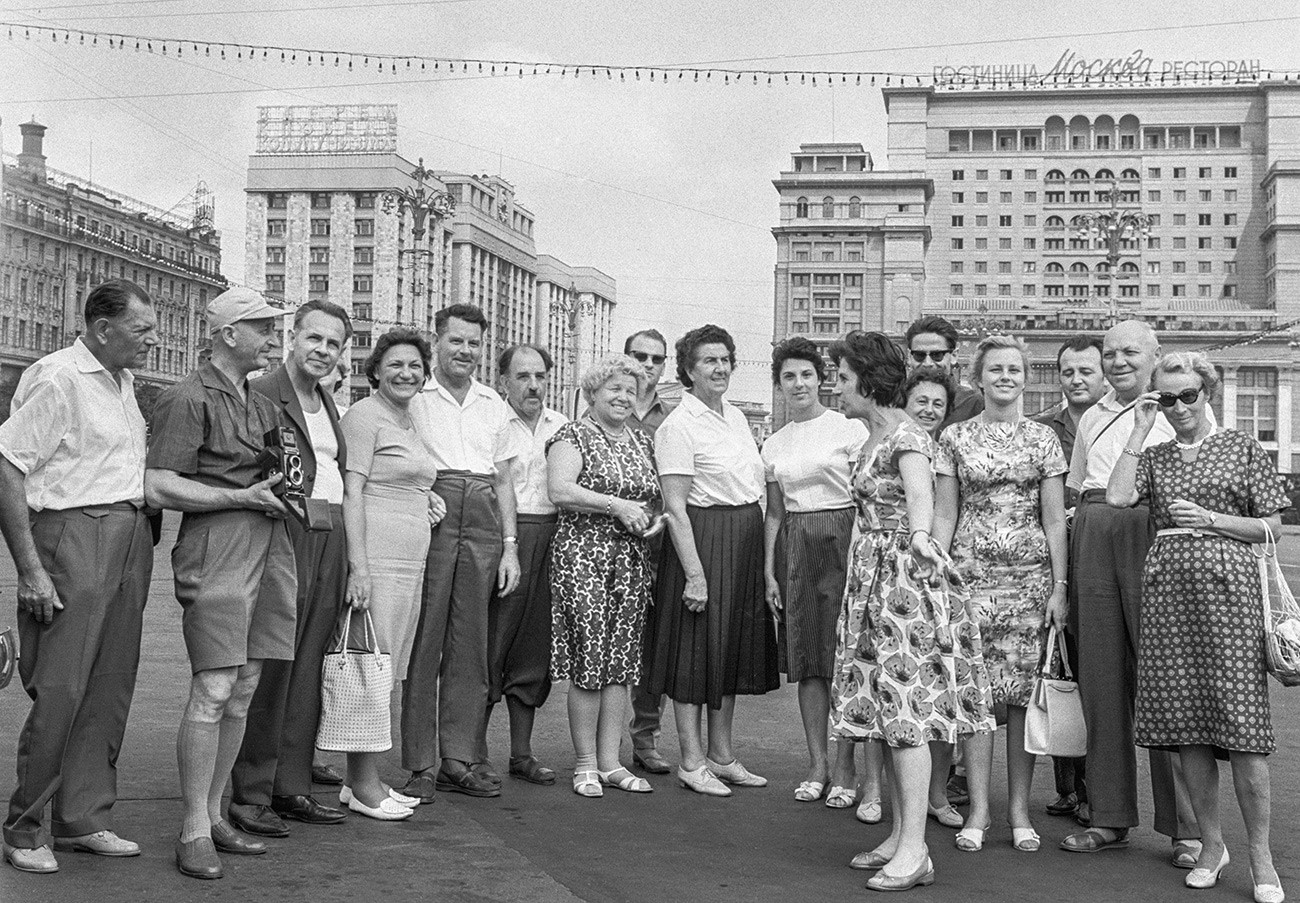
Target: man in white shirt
[
  {"x": 272, "y": 777},
  {"x": 73, "y": 452},
  {"x": 519, "y": 623},
  {"x": 474, "y": 550},
  {"x": 1109, "y": 548}
]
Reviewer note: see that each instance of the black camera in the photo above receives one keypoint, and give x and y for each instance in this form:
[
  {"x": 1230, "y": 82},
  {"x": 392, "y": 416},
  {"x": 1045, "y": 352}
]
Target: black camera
[{"x": 280, "y": 456}]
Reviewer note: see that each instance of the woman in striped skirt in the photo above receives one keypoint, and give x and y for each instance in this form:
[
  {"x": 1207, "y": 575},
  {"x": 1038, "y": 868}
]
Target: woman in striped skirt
[
  {"x": 711, "y": 638},
  {"x": 806, "y": 535}
]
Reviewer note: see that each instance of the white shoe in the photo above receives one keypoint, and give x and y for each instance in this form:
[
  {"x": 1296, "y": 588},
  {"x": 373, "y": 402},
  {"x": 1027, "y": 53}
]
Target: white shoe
[
  {"x": 388, "y": 809},
  {"x": 101, "y": 843},
  {"x": 735, "y": 773},
  {"x": 39, "y": 860},
  {"x": 701, "y": 780},
  {"x": 410, "y": 802}
]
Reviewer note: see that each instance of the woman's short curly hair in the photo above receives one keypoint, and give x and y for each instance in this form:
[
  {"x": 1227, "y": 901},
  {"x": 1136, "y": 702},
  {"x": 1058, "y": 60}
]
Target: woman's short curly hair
[
  {"x": 878, "y": 363},
  {"x": 606, "y": 369},
  {"x": 398, "y": 335},
  {"x": 797, "y": 349},
  {"x": 1190, "y": 362},
  {"x": 687, "y": 345},
  {"x": 934, "y": 376}
]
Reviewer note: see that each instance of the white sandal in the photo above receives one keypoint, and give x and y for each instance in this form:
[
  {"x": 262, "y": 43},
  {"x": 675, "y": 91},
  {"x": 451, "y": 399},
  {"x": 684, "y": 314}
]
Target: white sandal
[
  {"x": 629, "y": 782},
  {"x": 587, "y": 783},
  {"x": 1026, "y": 840},
  {"x": 970, "y": 839},
  {"x": 810, "y": 791}
]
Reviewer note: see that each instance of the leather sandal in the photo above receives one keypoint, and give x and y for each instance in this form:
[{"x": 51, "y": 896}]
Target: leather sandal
[
  {"x": 810, "y": 791},
  {"x": 587, "y": 783},
  {"x": 624, "y": 780},
  {"x": 841, "y": 797},
  {"x": 970, "y": 839},
  {"x": 1026, "y": 840},
  {"x": 466, "y": 782},
  {"x": 1093, "y": 841},
  {"x": 527, "y": 768}
]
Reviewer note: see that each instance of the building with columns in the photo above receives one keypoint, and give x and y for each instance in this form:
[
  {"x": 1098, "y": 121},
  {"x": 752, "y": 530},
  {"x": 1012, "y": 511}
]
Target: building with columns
[
  {"x": 61, "y": 235},
  {"x": 575, "y": 314},
  {"x": 977, "y": 219}
]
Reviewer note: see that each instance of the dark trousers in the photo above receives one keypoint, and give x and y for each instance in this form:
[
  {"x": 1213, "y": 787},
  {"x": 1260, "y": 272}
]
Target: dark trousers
[
  {"x": 445, "y": 693},
  {"x": 648, "y": 708},
  {"x": 280, "y": 742},
  {"x": 79, "y": 670},
  {"x": 1110, "y": 546}
]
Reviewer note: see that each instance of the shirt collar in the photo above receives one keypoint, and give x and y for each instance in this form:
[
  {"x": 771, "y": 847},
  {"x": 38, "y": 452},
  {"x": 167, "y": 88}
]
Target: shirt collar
[
  {"x": 475, "y": 388},
  {"x": 88, "y": 363},
  {"x": 1110, "y": 402},
  {"x": 697, "y": 408},
  {"x": 547, "y": 416},
  {"x": 212, "y": 378}
]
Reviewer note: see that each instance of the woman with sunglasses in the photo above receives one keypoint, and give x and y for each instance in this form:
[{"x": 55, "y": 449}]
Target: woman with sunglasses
[
  {"x": 807, "y": 528},
  {"x": 1201, "y": 687},
  {"x": 1000, "y": 502}
]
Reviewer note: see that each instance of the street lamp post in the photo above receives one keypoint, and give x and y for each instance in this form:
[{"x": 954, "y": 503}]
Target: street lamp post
[
  {"x": 1114, "y": 226},
  {"x": 422, "y": 201},
  {"x": 574, "y": 306}
]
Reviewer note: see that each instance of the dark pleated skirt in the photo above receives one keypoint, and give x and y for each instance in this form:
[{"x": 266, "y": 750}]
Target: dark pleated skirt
[
  {"x": 811, "y": 566},
  {"x": 729, "y": 649}
]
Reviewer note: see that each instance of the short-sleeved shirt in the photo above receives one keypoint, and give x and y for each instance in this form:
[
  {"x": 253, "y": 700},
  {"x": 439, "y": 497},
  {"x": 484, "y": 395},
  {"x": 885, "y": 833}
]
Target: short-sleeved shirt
[
  {"x": 1096, "y": 452},
  {"x": 531, "y": 493},
  {"x": 1063, "y": 425},
  {"x": 716, "y": 450},
  {"x": 473, "y": 437},
  {"x": 75, "y": 433},
  {"x": 203, "y": 429},
  {"x": 656, "y": 415},
  {"x": 384, "y": 450},
  {"x": 811, "y": 460}
]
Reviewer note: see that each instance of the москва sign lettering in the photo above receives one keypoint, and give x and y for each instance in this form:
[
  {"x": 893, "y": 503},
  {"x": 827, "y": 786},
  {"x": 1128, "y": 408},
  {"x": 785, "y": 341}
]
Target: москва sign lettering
[{"x": 1070, "y": 67}]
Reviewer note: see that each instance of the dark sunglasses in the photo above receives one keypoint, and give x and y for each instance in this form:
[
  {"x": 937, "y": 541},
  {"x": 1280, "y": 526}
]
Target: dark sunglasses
[
  {"x": 642, "y": 356},
  {"x": 1187, "y": 396},
  {"x": 934, "y": 356}
]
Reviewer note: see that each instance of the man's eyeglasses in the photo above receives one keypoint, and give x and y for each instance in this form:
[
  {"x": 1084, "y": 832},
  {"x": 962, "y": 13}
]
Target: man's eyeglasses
[
  {"x": 935, "y": 357},
  {"x": 1187, "y": 396},
  {"x": 643, "y": 357}
]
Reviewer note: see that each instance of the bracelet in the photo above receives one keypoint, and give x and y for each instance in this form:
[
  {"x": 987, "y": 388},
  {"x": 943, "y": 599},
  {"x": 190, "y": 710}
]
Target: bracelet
[
  {"x": 1129, "y": 451},
  {"x": 1064, "y": 582},
  {"x": 514, "y": 539}
]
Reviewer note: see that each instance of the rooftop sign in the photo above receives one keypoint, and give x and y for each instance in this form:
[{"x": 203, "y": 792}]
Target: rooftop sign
[
  {"x": 1072, "y": 69},
  {"x": 349, "y": 129}
]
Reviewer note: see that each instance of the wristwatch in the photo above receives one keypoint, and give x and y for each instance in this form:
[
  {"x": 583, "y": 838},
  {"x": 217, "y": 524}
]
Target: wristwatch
[{"x": 1213, "y": 517}]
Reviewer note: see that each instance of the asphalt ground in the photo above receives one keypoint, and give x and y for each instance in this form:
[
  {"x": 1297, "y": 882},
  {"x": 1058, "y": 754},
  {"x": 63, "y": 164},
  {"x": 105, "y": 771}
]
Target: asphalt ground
[{"x": 548, "y": 844}]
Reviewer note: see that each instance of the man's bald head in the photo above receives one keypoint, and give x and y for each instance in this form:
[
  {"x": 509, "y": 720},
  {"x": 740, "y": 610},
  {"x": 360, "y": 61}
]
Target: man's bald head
[{"x": 1129, "y": 354}]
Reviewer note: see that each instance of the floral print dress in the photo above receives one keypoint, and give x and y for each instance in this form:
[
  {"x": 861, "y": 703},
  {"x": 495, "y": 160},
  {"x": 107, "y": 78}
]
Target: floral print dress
[
  {"x": 999, "y": 546},
  {"x": 909, "y": 667}
]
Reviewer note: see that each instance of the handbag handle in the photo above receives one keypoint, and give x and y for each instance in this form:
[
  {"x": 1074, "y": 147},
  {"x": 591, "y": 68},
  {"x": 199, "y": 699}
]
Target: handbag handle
[
  {"x": 1053, "y": 644},
  {"x": 368, "y": 635},
  {"x": 1266, "y": 550}
]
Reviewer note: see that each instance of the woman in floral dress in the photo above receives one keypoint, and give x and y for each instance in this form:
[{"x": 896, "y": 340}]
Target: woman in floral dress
[
  {"x": 1001, "y": 504},
  {"x": 909, "y": 670}
]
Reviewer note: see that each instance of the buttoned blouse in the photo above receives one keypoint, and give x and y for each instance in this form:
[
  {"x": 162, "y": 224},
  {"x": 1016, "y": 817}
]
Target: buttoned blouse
[
  {"x": 810, "y": 461},
  {"x": 473, "y": 437},
  {"x": 531, "y": 493},
  {"x": 76, "y": 433},
  {"x": 716, "y": 450}
]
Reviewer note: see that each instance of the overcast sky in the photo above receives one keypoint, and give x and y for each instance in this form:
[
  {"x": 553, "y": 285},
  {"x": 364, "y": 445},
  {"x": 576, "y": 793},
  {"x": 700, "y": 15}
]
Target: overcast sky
[{"x": 665, "y": 187}]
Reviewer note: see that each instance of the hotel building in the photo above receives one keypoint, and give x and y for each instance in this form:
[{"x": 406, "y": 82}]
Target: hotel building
[
  {"x": 575, "y": 314},
  {"x": 63, "y": 235},
  {"x": 976, "y": 219}
]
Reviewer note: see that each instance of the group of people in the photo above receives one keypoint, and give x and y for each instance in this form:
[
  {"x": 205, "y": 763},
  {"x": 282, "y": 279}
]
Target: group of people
[{"x": 898, "y": 559}]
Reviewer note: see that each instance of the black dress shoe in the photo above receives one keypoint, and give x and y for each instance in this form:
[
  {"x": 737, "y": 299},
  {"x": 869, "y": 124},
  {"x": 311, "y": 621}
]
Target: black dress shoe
[
  {"x": 460, "y": 779},
  {"x": 1065, "y": 804},
  {"x": 421, "y": 786},
  {"x": 259, "y": 820},
  {"x": 306, "y": 809},
  {"x": 198, "y": 858},
  {"x": 325, "y": 774},
  {"x": 227, "y": 840}
]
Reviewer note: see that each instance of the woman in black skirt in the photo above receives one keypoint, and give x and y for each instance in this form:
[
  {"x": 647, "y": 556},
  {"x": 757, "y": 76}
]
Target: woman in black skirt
[{"x": 710, "y": 638}]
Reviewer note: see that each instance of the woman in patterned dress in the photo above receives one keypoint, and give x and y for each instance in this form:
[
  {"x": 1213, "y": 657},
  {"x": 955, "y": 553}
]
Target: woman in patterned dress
[
  {"x": 601, "y": 475},
  {"x": 1001, "y": 504},
  {"x": 909, "y": 670},
  {"x": 1201, "y": 687}
]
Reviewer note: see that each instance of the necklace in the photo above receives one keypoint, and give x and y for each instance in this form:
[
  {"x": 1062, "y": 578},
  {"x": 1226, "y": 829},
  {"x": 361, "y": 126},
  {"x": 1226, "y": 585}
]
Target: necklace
[
  {"x": 610, "y": 436},
  {"x": 1192, "y": 446}
]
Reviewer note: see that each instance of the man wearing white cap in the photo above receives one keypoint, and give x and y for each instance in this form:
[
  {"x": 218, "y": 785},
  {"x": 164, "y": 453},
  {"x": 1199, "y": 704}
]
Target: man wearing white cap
[{"x": 233, "y": 559}]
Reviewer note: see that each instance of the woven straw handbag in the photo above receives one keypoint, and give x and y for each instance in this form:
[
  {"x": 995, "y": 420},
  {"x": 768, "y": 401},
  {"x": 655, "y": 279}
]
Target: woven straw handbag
[{"x": 355, "y": 688}]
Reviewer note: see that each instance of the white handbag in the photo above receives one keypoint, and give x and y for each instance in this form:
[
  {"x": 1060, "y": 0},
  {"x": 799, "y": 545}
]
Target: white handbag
[
  {"x": 1054, "y": 724},
  {"x": 1281, "y": 615},
  {"x": 355, "y": 689}
]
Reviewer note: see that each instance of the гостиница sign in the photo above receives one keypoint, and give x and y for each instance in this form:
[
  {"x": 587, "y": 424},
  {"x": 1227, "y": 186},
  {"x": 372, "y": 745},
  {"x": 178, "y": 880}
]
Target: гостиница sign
[{"x": 1071, "y": 67}]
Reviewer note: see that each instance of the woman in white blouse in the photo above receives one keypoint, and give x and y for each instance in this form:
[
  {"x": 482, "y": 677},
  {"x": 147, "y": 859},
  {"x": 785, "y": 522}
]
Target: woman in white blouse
[
  {"x": 710, "y": 637},
  {"x": 806, "y": 537}
]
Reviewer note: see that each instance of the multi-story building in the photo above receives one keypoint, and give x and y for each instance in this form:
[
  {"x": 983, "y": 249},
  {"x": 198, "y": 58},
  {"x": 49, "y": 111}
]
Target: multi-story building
[
  {"x": 493, "y": 261},
  {"x": 978, "y": 220},
  {"x": 63, "y": 235},
  {"x": 575, "y": 314},
  {"x": 334, "y": 212}
]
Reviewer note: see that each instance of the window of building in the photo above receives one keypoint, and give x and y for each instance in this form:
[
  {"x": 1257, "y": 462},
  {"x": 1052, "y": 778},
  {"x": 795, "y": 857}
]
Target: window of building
[
  {"x": 956, "y": 289},
  {"x": 275, "y": 283},
  {"x": 275, "y": 254},
  {"x": 1204, "y": 219},
  {"x": 799, "y": 279},
  {"x": 1230, "y": 266},
  {"x": 1229, "y": 242},
  {"x": 828, "y": 207},
  {"x": 361, "y": 339},
  {"x": 959, "y": 197},
  {"x": 958, "y": 175},
  {"x": 1203, "y": 172},
  {"x": 1153, "y": 267},
  {"x": 1180, "y": 219},
  {"x": 1180, "y": 243},
  {"x": 1055, "y": 291},
  {"x": 1004, "y": 197},
  {"x": 801, "y": 208},
  {"x": 1030, "y": 266},
  {"x": 853, "y": 280},
  {"x": 958, "y": 243},
  {"x": 1029, "y": 291},
  {"x": 982, "y": 220},
  {"x": 1230, "y": 291},
  {"x": 1153, "y": 243},
  {"x": 955, "y": 266},
  {"x": 275, "y": 228},
  {"x": 1004, "y": 266},
  {"x": 1004, "y": 289},
  {"x": 1153, "y": 196},
  {"x": 1179, "y": 290},
  {"x": 1204, "y": 266},
  {"x": 1128, "y": 291},
  {"x": 365, "y": 200},
  {"x": 1205, "y": 291},
  {"x": 1180, "y": 172},
  {"x": 319, "y": 255},
  {"x": 363, "y": 282},
  {"x": 1180, "y": 266},
  {"x": 1030, "y": 244},
  {"x": 1054, "y": 244},
  {"x": 981, "y": 197},
  {"x": 1004, "y": 244},
  {"x": 1153, "y": 172},
  {"x": 365, "y": 227},
  {"x": 275, "y": 200},
  {"x": 1004, "y": 175},
  {"x": 981, "y": 266},
  {"x": 1230, "y": 172},
  {"x": 1230, "y": 219},
  {"x": 320, "y": 200},
  {"x": 1230, "y": 195},
  {"x": 1180, "y": 195},
  {"x": 1004, "y": 220},
  {"x": 364, "y": 255},
  {"x": 320, "y": 228},
  {"x": 981, "y": 289},
  {"x": 981, "y": 175},
  {"x": 1204, "y": 243},
  {"x": 799, "y": 326},
  {"x": 981, "y": 244},
  {"x": 318, "y": 282},
  {"x": 1055, "y": 197},
  {"x": 1257, "y": 402},
  {"x": 855, "y": 207},
  {"x": 1153, "y": 291},
  {"x": 1031, "y": 220},
  {"x": 958, "y": 221}
]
